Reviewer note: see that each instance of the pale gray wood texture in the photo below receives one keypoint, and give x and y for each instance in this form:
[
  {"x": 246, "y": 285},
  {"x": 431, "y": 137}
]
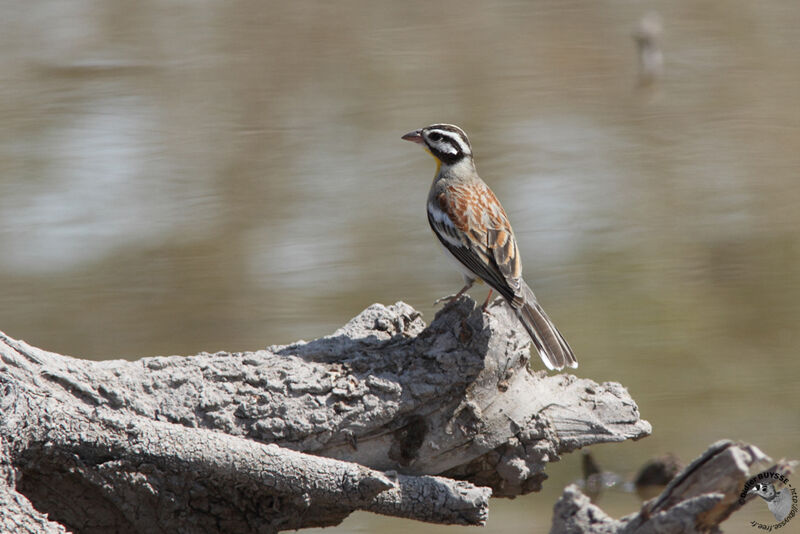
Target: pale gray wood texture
[{"x": 297, "y": 435}]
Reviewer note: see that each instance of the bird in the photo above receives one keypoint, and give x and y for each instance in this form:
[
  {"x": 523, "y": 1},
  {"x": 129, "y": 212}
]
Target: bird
[
  {"x": 778, "y": 502},
  {"x": 473, "y": 229}
]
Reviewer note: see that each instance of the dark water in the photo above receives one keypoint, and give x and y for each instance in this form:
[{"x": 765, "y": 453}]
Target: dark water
[{"x": 179, "y": 177}]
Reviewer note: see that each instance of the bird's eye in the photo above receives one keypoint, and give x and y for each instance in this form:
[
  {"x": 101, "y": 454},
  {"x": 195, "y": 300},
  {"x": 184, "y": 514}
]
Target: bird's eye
[{"x": 435, "y": 136}]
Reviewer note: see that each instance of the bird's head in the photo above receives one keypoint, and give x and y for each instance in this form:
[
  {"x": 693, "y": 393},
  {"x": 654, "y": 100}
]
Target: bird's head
[
  {"x": 445, "y": 142},
  {"x": 765, "y": 491}
]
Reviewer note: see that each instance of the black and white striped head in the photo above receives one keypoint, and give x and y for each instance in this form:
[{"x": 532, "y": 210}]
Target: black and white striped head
[
  {"x": 446, "y": 142},
  {"x": 765, "y": 491}
]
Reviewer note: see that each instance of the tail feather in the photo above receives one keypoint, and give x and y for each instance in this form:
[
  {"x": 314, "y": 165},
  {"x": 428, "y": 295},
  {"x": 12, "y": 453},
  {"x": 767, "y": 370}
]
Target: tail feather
[{"x": 553, "y": 349}]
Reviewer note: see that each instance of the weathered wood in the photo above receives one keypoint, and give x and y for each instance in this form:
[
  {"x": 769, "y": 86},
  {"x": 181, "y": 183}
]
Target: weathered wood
[
  {"x": 297, "y": 435},
  {"x": 701, "y": 497}
]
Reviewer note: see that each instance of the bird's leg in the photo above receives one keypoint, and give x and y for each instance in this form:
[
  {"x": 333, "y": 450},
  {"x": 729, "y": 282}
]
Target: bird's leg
[
  {"x": 486, "y": 303},
  {"x": 451, "y": 298}
]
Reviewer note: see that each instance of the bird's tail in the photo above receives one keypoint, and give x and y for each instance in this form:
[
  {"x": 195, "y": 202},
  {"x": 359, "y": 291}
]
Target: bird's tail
[{"x": 553, "y": 349}]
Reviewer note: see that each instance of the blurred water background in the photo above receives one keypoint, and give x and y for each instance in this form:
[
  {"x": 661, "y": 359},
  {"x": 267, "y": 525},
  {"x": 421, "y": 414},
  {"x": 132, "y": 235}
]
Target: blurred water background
[{"x": 178, "y": 177}]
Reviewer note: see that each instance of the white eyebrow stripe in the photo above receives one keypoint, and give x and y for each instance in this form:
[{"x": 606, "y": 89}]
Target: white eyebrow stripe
[{"x": 461, "y": 144}]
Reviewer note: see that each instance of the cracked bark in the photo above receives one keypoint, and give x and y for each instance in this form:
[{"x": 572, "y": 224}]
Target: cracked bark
[{"x": 294, "y": 436}]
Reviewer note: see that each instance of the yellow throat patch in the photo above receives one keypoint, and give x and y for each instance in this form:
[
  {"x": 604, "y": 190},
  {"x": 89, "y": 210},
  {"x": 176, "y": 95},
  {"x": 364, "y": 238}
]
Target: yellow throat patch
[{"x": 438, "y": 161}]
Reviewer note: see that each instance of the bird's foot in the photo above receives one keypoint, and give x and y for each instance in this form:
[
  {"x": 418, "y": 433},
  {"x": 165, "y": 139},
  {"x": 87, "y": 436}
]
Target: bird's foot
[
  {"x": 447, "y": 300},
  {"x": 485, "y": 306},
  {"x": 450, "y": 298}
]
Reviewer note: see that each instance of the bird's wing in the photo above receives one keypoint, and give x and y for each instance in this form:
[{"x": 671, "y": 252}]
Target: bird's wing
[{"x": 472, "y": 225}]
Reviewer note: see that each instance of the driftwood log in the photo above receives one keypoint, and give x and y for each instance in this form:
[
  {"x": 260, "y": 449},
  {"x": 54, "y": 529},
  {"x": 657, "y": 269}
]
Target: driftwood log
[
  {"x": 697, "y": 500},
  {"x": 385, "y": 415}
]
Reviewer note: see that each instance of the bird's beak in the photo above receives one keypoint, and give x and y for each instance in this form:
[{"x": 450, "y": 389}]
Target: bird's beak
[{"x": 414, "y": 137}]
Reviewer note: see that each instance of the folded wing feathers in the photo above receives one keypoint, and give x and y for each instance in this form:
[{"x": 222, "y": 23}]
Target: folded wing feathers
[
  {"x": 493, "y": 257},
  {"x": 553, "y": 349}
]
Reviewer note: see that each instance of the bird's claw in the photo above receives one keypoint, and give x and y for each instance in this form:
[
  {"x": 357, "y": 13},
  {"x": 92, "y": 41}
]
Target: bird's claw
[{"x": 448, "y": 299}]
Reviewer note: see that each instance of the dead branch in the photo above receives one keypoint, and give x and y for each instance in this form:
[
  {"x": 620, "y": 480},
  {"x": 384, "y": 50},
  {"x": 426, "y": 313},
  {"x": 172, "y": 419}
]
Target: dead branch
[
  {"x": 294, "y": 436},
  {"x": 701, "y": 497}
]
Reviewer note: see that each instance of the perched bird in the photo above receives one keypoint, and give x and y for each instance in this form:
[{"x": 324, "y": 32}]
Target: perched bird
[
  {"x": 778, "y": 502},
  {"x": 474, "y": 229}
]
